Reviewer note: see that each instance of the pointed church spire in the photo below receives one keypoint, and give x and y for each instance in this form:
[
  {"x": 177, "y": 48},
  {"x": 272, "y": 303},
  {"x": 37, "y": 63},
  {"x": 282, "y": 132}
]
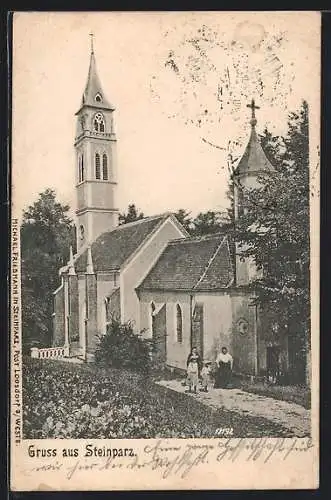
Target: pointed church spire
[
  {"x": 254, "y": 159},
  {"x": 89, "y": 266},
  {"x": 71, "y": 263},
  {"x": 93, "y": 94}
]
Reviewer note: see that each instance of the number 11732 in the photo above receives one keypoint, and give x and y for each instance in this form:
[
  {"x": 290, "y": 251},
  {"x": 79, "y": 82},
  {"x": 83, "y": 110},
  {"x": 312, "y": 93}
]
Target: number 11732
[{"x": 224, "y": 431}]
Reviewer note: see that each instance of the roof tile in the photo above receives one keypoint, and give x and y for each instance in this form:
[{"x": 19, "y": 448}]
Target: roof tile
[
  {"x": 254, "y": 158},
  {"x": 112, "y": 249},
  {"x": 192, "y": 263}
]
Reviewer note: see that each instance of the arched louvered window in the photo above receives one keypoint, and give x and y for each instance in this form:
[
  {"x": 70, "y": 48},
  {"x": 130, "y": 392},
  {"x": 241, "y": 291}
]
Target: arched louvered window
[
  {"x": 99, "y": 123},
  {"x": 79, "y": 169},
  {"x": 151, "y": 316},
  {"x": 179, "y": 323},
  {"x": 104, "y": 167},
  {"x": 69, "y": 298},
  {"x": 97, "y": 166},
  {"x": 107, "y": 313},
  {"x": 82, "y": 167},
  {"x": 240, "y": 201}
]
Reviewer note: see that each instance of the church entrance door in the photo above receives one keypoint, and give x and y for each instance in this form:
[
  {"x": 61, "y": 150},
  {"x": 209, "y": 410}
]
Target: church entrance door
[
  {"x": 159, "y": 329},
  {"x": 273, "y": 362},
  {"x": 197, "y": 329}
]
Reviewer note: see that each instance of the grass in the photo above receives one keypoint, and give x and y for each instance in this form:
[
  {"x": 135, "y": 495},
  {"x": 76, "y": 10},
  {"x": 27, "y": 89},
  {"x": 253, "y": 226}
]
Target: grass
[
  {"x": 290, "y": 393},
  {"x": 87, "y": 401}
]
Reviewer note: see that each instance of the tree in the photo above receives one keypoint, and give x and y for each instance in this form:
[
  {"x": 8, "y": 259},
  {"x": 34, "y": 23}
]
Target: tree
[
  {"x": 46, "y": 236},
  {"x": 184, "y": 217},
  {"x": 204, "y": 223},
  {"x": 131, "y": 215},
  {"x": 208, "y": 223},
  {"x": 274, "y": 231}
]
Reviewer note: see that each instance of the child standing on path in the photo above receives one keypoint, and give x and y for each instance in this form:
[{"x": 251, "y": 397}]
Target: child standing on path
[
  {"x": 205, "y": 375},
  {"x": 193, "y": 374}
]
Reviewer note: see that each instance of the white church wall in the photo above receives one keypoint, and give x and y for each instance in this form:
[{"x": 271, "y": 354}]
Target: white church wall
[
  {"x": 82, "y": 198},
  {"x": 102, "y": 195},
  {"x": 176, "y": 352},
  {"x": 217, "y": 322},
  {"x": 100, "y": 222},
  {"x": 145, "y": 301}
]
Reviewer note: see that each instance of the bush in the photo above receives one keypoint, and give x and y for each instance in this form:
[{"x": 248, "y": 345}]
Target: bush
[{"x": 120, "y": 347}]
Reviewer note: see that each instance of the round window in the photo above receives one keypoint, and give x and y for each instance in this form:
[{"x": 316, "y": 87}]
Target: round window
[{"x": 242, "y": 325}]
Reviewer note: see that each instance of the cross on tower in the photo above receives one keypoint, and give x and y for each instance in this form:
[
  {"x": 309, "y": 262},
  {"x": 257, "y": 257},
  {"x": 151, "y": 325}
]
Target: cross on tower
[
  {"x": 92, "y": 49},
  {"x": 253, "y": 107}
]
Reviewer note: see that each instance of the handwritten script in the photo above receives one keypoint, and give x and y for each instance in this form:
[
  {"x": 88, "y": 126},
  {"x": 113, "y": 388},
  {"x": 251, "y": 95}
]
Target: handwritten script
[{"x": 181, "y": 460}]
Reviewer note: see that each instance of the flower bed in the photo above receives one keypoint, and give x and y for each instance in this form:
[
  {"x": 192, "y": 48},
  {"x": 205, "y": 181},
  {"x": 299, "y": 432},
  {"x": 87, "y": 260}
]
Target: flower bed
[{"x": 63, "y": 400}]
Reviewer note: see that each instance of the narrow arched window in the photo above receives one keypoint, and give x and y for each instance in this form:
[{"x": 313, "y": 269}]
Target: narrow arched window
[
  {"x": 97, "y": 166},
  {"x": 87, "y": 306},
  {"x": 79, "y": 169},
  {"x": 82, "y": 167},
  {"x": 107, "y": 312},
  {"x": 151, "y": 316},
  {"x": 179, "y": 323},
  {"x": 69, "y": 298},
  {"x": 99, "y": 123},
  {"x": 240, "y": 202},
  {"x": 104, "y": 167}
]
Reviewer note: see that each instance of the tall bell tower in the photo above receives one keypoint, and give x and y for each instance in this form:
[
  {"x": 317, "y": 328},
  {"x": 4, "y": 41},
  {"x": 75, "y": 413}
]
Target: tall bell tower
[
  {"x": 251, "y": 166},
  {"x": 96, "y": 166}
]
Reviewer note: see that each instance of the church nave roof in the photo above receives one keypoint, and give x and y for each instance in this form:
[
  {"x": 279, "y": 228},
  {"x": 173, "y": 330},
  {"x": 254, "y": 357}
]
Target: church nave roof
[
  {"x": 199, "y": 264},
  {"x": 113, "y": 248}
]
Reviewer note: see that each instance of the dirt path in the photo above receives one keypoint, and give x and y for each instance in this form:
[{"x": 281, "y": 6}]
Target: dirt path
[{"x": 293, "y": 417}]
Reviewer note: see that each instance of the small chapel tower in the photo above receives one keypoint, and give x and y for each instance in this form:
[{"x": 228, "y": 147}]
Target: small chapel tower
[
  {"x": 96, "y": 172},
  {"x": 252, "y": 164}
]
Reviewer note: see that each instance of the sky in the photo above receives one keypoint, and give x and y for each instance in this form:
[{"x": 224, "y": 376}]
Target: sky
[{"x": 178, "y": 81}]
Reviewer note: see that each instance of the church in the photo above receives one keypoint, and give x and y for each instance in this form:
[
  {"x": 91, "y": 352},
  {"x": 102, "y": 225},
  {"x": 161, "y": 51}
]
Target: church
[{"x": 178, "y": 290}]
